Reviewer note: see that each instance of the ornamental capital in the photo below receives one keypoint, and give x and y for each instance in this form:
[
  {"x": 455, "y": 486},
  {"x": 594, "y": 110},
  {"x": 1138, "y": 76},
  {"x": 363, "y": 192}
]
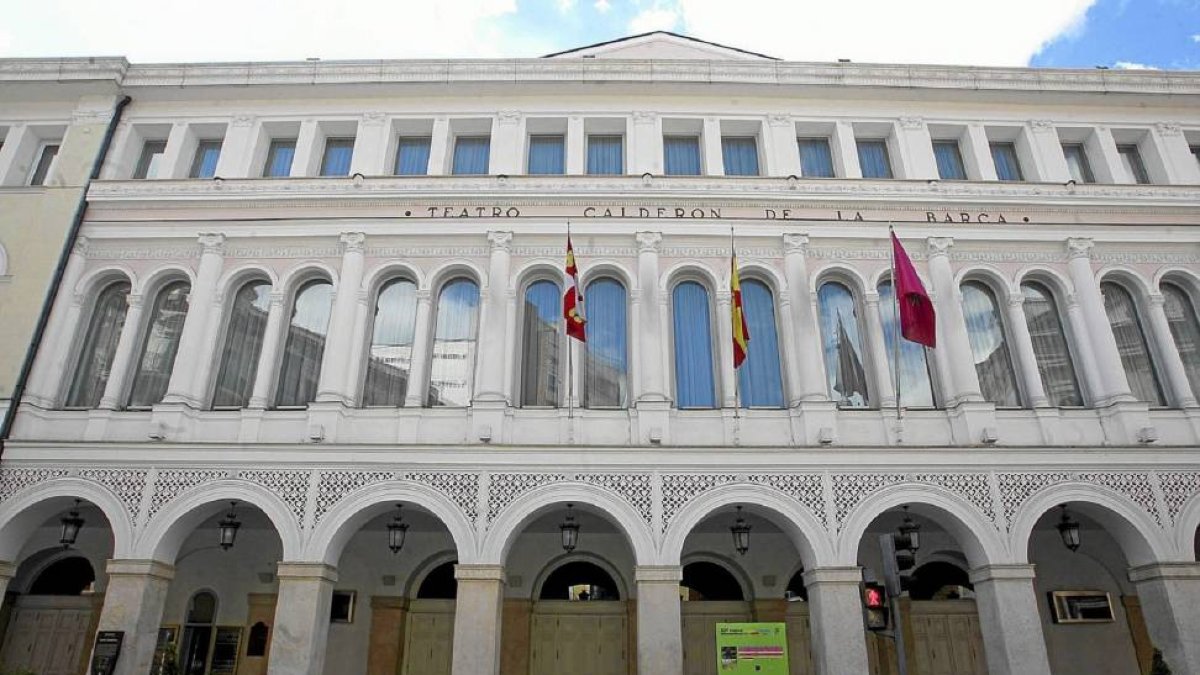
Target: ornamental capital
[
  {"x": 1016, "y": 300},
  {"x": 939, "y": 245},
  {"x": 135, "y": 300},
  {"x": 1169, "y": 128},
  {"x": 81, "y": 246},
  {"x": 1157, "y": 300},
  {"x": 373, "y": 119},
  {"x": 776, "y": 120},
  {"x": 500, "y": 240},
  {"x": 509, "y": 116},
  {"x": 242, "y": 120},
  {"x": 424, "y": 295},
  {"x": 213, "y": 242},
  {"x": 1041, "y": 126},
  {"x": 1080, "y": 247},
  {"x": 912, "y": 123},
  {"x": 644, "y": 117},
  {"x": 277, "y": 298},
  {"x": 648, "y": 241},
  {"x": 352, "y": 242},
  {"x": 795, "y": 242}
]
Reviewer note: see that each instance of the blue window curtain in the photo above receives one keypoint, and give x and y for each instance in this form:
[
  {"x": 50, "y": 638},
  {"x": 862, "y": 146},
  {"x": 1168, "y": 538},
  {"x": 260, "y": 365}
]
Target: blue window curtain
[
  {"x": 949, "y": 160},
  {"x": 160, "y": 345},
  {"x": 338, "y": 152},
  {"x": 606, "y": 352},
  {"x": 694, "y": 383},
  {"x": 985, "y": 332},
  {"x": 204, "y": 165},
  {"x": 740, "y": 155},
  {"x": 279, "y": 159},
  {"x": 681, "y": 155},
  {"x": 916, "y": 384},
  {"x": 1185, "y": 330},
  {"x": 760, "y": 383},
  {"x": 546, "y": 155},
  {"x": 1050, "y": 348},
  {"x": 1004, "y": 156},
  {"x": 540, "y": 340},
  {"x": 412, "y": 156},
  {"x": 390, "y": 359},
  {"x": 243, "y": 345},
  {"x": 471, "y": 155},
  {"x": 305, "y": 347},
  {"x": 452, "y": 366},
  {"x": 842, "y": 346},
  {"x": 605, "y": 155},
  {"x": 99, "y": 347},
  {"x": 1131, "y": 344},
  {"x": 816, "y": 161},
  {"x": 873, "y": 159}
]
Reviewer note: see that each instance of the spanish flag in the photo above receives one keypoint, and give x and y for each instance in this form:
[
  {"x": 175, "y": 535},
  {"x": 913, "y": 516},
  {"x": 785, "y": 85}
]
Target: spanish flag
[
  {"x": 741, "y": 334},
  {"x": 572, "y": 311}
]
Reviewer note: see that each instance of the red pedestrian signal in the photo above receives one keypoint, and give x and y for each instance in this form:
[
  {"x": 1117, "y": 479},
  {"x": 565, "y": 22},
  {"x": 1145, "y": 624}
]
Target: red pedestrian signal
[{"x": 875, "y": 606}]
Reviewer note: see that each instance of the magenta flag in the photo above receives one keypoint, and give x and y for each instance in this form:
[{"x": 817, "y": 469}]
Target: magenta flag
[{"x": 918, "y": 323}]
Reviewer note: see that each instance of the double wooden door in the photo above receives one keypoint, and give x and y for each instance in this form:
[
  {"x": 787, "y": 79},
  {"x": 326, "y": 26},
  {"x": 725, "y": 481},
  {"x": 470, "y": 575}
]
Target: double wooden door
[
  {"x": 581, "y": 638},
  {"x": 48, "y": 635}
]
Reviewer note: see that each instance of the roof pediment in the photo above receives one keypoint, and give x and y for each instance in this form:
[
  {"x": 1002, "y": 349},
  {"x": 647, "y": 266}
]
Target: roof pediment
[{"x": 660, "y": 45}]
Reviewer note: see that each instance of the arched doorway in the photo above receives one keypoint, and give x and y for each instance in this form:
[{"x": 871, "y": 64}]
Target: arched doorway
[{"x": 429, "y": 630}]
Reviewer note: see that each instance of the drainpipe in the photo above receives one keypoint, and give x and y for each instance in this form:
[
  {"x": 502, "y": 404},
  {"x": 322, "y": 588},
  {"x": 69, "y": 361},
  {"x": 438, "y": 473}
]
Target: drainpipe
[{"x": 56, "y": 281}]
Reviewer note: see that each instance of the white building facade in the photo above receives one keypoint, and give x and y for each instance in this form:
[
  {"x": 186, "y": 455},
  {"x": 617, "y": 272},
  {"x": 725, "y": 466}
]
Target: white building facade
[{"x": 322, "y": 290}]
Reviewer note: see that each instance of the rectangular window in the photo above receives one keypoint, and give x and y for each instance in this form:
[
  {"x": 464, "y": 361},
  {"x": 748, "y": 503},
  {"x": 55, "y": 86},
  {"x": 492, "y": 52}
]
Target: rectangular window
[
  {"x": 412, "y": 156},
  {"x": 1132, "y": 159},
  {"x": 279, "y": 158},
  {"x": 949, "y": 160},
  {"x": 338, "y": 152},
  {"x": 1077, "y": 163},
  {"x": 45, "y": 160},
  {"x": 605, "y": 155},
  {"x": 1004, "y": 156},
  {"x": 816, "y": 161},
  {"x": 204, "y": 164},
  {"x": 148, "y": 162},
  {"x": 471, "y": 155},
  {"x": 740, "y": 155},
  {"x": 546, "y": 155},
  {"x": 873, "y": 158},
  {"x": 681, "y": 155}
]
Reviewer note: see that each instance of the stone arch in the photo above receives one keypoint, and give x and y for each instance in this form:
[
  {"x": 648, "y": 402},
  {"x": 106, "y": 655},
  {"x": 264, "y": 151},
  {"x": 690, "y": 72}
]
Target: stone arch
[
  {"x": 425, "y": 568},
  {"x": 536, "y": 270},
  {"x": 1188, "y": 279},
  {"x": 95, "y": 280},
  {"x": 451, "y": 270},
  {"x": 529, "y": 506},
  {"x": 1140, "y": 538},
  {"x": 592, "y": 271},
  {"x": 158, "y": 278},
  {"x": 726, "y": 563},
  {"x": 884, "y": 273},
  {"x": 380, "y": 275},
  {"x": 845, "y": 274},
  {"x": 1058, "y": 283},
  {"x": 1133, "y": 281},
  {"x": 1187, "y": 528},
  {"x": 304, "y": 271},
  {"x": 760, "y": 271},
  {"x": 989, "y": 275},
  {"x": 28, "y": 509},
  {"x": 979, "y": 538},
  {"x": 689, "y": 271},
  {"x": 623, "y": 585},
  {"x": 233, "y": 280},
  {"x": 807, "y": 534},
  {"x": 167, "y": 530},
  {"x": 339, "y": 524}
]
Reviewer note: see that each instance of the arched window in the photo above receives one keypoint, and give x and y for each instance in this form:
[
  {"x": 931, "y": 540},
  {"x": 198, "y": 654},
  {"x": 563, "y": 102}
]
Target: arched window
[
  {"x": 985, "y": 330},
  {"x": 440, "y": 583},
  {"x": 1181, "y": 317},
  {"x": 842, "y": 345},
  {"x": 579, "y": 580},
  {"x": 305, "y": 347},
  {"x": 68, "y": 576},
  {"x": 198, "y": 633},
  {"x": 243, "y": 344},
  {"x": 452, "y": 365},
  {"x": 916, "y": 385},
  {"x": 694, "y": 383},
  {"x": 390, "y": 359},
  {"x": 540, "y": 344},
  {"x": 760, "y": 384},
  {"x": 704, "y": 580},
  {"x": 1131, "y": 344},
  {"x": 606, "y": 353},
  {"x": 99, "y": 347},
  {"x": 1050, "y": 346},
  {"x": 160, "y": 345}
]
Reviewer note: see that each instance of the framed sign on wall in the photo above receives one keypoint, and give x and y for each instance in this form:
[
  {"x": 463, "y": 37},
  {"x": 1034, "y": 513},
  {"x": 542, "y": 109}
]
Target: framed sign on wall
[{"x": 1081, "y": 606}]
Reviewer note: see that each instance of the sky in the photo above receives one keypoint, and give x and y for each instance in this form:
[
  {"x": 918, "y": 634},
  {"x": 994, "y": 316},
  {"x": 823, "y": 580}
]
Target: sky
[{"x": 1162, "y": 34}]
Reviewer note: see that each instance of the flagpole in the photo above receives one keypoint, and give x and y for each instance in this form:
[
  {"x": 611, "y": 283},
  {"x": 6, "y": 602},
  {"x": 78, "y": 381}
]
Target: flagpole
[
  {"x": 896, "y": 326},
  {"x": 737, "y": 395},
  {"x": 570, "y": 351}
]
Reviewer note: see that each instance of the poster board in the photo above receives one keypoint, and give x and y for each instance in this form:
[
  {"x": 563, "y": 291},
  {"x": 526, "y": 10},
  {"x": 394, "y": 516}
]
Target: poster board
[{"x": 752, "y": 649}]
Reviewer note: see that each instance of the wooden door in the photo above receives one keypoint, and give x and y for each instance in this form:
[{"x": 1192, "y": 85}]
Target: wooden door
[
  {"x": 47, "y": 634},
  {"x": 581, "y": 638},
  {"x": 946, "y": 638},
  {"x": 799, "y": 640},
  {"x": 429, "y": 638},
  {"x": 700, "y": 619}
]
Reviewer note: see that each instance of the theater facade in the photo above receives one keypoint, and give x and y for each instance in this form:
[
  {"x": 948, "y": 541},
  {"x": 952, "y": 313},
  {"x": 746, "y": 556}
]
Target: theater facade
[{"x": 305, "y": 406}]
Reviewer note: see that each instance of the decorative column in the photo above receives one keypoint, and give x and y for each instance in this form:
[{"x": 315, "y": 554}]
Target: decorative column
[
  {"x": 52, "y": 363},
  {"x": 264, "y": 374},
  {"x": 951, "y": 326},
  {"x": 370, "y": 146},
  {"x": 977, "y": 153},
  {"x": 725, "y": 371},
  {"x": 916, "y": 149},
  {"x": 1086, "y": 366},
  {"x": 839, "y": 643},
  {"x": 650, "y": 339},
  {"x": 645, "y": 147},
  {"x": 418, "y": 368},
  {"x": 183, "y": 386},
  {"x": 301, "y": 627},
  {"x": 576, "y": 146},
  {"x": 126, "y": 343},
  {"x": 1170, "y": 596},
  {"x": 659, "y": 624},
  {"x": 133, "y": 604},
  {"x": 1008, "y": 618},
  {"x": 477, "y": 613},
  {"x": 508, "y": 143},
  {"x": 1176, "y": 375},
  {"x": 1178, "y": 160},
  {"x": 808, "y": 369},
  {"x": 439, "y": 147},
  {"x": 1018, "y": 329},
  {"x": 332, "y": 385},
  {"x": 881, "y": 362},
  {"x": 1114, "y": 386},
  {"x": 237, "y": 150},
  {"x": 783, "y": 154},
  {"x": 1045, "y": 149},
  {"x": 492, "y": 324},
  {"x": 714, "y": 164},
  {"x": 845, "y": 151}
]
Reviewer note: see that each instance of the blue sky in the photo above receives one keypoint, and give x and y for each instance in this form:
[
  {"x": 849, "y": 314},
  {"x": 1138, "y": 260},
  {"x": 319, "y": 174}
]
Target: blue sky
[{"x": 1062, "y": 33}]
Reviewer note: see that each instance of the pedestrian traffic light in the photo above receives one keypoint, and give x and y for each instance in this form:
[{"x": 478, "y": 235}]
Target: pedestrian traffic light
[{"x": 875, "y": 606}]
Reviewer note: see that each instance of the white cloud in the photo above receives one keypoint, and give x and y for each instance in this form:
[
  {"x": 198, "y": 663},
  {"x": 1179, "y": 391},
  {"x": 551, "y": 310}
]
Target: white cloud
[
  {"x": 602, "y": 6},
  {"x": 976, "y": 32},
  {"x": 1196, "y": 37},
  {"x": 656, "y": 18},
  {"x": 1131, "y": 65},
  {"x": 565, "y": 6}
]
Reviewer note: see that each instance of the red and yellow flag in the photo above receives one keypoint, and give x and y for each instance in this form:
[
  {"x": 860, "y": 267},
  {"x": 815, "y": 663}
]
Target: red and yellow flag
[
  {"x": 741, "y": 334},
  {"x": 572, "y": 310}
]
